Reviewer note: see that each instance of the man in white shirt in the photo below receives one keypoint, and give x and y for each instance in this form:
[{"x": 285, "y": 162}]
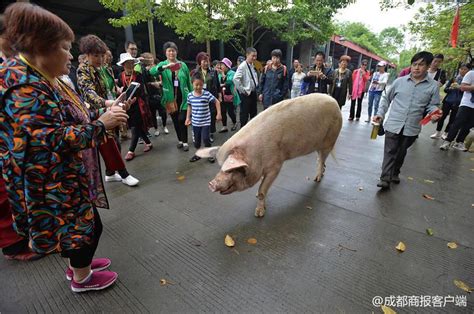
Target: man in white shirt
[
  {"x": 246, "y": 80},
  {"x": 464, "y": 118}
]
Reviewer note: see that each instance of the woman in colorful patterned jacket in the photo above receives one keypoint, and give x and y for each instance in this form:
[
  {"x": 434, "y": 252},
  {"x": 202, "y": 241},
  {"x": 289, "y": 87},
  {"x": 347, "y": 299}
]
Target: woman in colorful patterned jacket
[
  {"x": 41, "y": 152},
  {"x": 94, "y": 91}
]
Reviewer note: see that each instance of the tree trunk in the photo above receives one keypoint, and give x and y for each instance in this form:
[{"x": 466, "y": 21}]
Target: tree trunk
[
  {"x": 208, "y": 49},
  {"x": 209, "y": 17}
]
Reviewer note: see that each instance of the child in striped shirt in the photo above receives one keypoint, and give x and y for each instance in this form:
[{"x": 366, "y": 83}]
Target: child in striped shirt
[{"x": 199, "y": 114}]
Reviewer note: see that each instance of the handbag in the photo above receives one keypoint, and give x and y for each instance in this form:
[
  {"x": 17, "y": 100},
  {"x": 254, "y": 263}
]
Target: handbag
[
  {"x": 228, "y": 98},
  {"x": 171, "y": 107}
]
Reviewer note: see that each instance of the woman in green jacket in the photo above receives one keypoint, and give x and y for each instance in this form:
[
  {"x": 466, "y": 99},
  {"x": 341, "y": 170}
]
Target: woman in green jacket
[
  {"x": 230, "y": 97},
  {"x": 176, "y": 87}
]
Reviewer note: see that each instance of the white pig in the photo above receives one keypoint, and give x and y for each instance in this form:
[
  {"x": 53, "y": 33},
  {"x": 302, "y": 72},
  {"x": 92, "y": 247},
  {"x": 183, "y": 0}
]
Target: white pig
[{"x": 291, "y": 128}]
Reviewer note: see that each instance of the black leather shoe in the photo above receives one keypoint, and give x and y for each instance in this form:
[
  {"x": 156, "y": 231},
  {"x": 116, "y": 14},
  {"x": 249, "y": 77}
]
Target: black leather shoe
[{"x": 383, "y": 184}]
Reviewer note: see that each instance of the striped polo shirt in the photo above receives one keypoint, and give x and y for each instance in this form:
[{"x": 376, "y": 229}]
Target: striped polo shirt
[{"x": 200, "y": 112}]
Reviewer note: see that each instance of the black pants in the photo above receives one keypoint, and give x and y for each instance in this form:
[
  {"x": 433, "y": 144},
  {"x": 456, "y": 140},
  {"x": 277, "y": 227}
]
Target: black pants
[
  {"x": 212, "y": 108},
  {"x": 123, "y": 172},
  {"x": 463, "y": 123},
  {"x": 201, "y": 133},
  {"x": 163, "y": 114},
  {"x": 228, "y": 108},
  {"x": 138, "y": 132},
  {"x": 80, "y": 258},
  {"x": 248, "y": 107},
  {"x": 179, "y": 118},
  {"x": 395, "y": 150},
  {"x": 448, "y": 109},
  {"x": 359, "y": 107},
  {"x": 154, "y": 105}
]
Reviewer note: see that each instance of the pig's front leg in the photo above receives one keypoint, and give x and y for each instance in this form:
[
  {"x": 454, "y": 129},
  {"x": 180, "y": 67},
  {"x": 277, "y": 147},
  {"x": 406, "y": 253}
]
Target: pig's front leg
[{"x": 267, "y": 181}]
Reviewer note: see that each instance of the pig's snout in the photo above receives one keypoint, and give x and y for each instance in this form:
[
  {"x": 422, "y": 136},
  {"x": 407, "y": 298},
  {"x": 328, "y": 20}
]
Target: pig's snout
[{"x": 212, "y": 186}]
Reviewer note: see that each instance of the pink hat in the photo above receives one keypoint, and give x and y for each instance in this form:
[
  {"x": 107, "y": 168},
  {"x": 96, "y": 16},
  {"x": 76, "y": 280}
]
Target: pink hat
[{"x": 227, "y": 62}]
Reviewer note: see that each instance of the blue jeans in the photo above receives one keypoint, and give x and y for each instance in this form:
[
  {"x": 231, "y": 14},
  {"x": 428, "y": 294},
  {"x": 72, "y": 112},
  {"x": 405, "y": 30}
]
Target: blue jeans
[
  {"x": 201, "y": 132},
  {"x": 374, "y": 100}
]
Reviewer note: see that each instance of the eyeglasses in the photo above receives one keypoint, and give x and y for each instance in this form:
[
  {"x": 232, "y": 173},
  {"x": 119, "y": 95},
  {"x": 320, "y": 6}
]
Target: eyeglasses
[{"x": 364, "y": 64}]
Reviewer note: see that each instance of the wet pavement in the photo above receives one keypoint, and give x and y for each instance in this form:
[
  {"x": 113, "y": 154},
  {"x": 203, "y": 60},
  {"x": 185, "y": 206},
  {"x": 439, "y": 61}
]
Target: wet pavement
[{"x": 326, "y": 248}]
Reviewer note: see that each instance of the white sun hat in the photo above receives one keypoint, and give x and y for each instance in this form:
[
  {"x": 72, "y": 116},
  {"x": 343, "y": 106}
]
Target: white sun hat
[{"x": 124, "y": 57}]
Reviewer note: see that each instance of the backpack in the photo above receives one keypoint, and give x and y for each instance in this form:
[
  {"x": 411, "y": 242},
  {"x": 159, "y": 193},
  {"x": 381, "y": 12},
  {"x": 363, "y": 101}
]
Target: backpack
[{"x": 284, "y": 70}]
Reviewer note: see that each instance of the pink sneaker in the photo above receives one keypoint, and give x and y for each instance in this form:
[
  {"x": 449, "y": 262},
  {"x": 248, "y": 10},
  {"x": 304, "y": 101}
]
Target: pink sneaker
[
  {"x": 147, "y": 148},
  {"x": 129, "y": 156},
  {"x": 97, "y": 264},
  {"x": 96, "y": 281}
]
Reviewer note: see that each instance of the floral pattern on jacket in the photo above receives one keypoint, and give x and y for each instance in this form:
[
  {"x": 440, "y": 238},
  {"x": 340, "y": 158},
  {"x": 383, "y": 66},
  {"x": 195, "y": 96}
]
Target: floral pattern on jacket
[
  {"x": 41, "y": 156},
  {"x": 91, "y": 86}
]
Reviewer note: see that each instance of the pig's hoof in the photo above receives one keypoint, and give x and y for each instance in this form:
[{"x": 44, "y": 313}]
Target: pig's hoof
[
  {"x": 318, "y": 178},
  {"x": 259, "y": 212}
]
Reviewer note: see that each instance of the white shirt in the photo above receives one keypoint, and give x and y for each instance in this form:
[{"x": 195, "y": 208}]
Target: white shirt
[
  {"x": 297, "y": 80},
  {"x": 467, "y": 96},
  {"x": 246, "y": 81},
  {"x": 381, "y": 78}
]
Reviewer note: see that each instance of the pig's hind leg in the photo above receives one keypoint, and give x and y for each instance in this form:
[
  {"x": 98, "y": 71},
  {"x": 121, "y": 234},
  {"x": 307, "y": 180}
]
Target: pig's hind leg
[
  {"x": 265, "y": 185},
  {"x": 323, "y": 155}
]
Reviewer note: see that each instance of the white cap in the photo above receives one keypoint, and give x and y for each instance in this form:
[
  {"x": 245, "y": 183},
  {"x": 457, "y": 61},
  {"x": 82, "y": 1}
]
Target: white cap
[
  {"x": 381, "y": 64},
  {"x": 124, "y": 57}
]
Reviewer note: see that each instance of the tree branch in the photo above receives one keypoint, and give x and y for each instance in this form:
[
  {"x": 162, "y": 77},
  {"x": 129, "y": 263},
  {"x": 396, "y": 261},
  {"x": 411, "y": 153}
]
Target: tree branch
[{"x": 260, "y": 38}]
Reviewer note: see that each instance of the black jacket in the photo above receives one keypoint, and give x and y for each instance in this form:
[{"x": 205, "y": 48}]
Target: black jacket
[
  {"x": 273, "y": 85},
  {"x": 322, "y": 83}
]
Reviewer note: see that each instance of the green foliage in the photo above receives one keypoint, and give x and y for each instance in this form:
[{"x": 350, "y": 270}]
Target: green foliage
[
  {"x": 242, "y": 23},
  {"x": 432, "y": 27},
  {"x": 386, "y": 44}
]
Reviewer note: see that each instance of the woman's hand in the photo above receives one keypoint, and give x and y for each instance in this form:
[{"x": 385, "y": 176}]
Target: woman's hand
[
  {"x": 122, "y": 103},
  {"x": 218, "y": 117},
  {"x": 187, "y": 122},
  {"x": 114, "y": 118}
]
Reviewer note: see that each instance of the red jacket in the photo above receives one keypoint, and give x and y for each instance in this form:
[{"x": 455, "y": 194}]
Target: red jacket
[{"x": 365, "y": 79}]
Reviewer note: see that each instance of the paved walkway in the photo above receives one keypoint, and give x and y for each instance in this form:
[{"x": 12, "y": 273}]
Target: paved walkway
[{"x": 327, "y": 248}]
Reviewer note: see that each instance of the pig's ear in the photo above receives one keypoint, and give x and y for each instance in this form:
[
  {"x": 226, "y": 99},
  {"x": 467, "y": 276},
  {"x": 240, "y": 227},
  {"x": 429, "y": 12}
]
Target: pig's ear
[
  {"x": 207, "y": 152},
  {"x": 233, "y": 163}
]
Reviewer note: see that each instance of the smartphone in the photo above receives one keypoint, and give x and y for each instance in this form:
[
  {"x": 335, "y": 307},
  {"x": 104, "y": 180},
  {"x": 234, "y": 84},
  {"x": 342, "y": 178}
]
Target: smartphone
[{"x": 131, "y": 90}]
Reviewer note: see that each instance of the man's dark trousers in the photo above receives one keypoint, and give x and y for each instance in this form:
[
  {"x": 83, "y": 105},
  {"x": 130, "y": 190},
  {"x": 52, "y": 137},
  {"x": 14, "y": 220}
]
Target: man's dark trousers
[{"x": 395, "y": 150}]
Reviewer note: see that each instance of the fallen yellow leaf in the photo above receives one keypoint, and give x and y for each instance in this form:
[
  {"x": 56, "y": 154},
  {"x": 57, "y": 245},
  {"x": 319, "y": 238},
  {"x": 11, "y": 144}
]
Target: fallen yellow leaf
[
  {"x": 452, "y": 245},
  {"x": 309, "y": 207},
  {"x": 229, "y": 241},
  {"x": 429, "y": 181},
  {"x": 401, "y": 247},
  {"x": 472, "y": 169},
  {"x": 387, "y": 310},
  {"x": 181, "y": 178},
  {"x": 429, "y": 231},
  {"x": 252, "y": 241},
  {"x": 163, "y": 282},
  {"x": 463, "y": 286},
  {"x": 410, "y": 178},
  {"x": 428, "y": 197}
]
